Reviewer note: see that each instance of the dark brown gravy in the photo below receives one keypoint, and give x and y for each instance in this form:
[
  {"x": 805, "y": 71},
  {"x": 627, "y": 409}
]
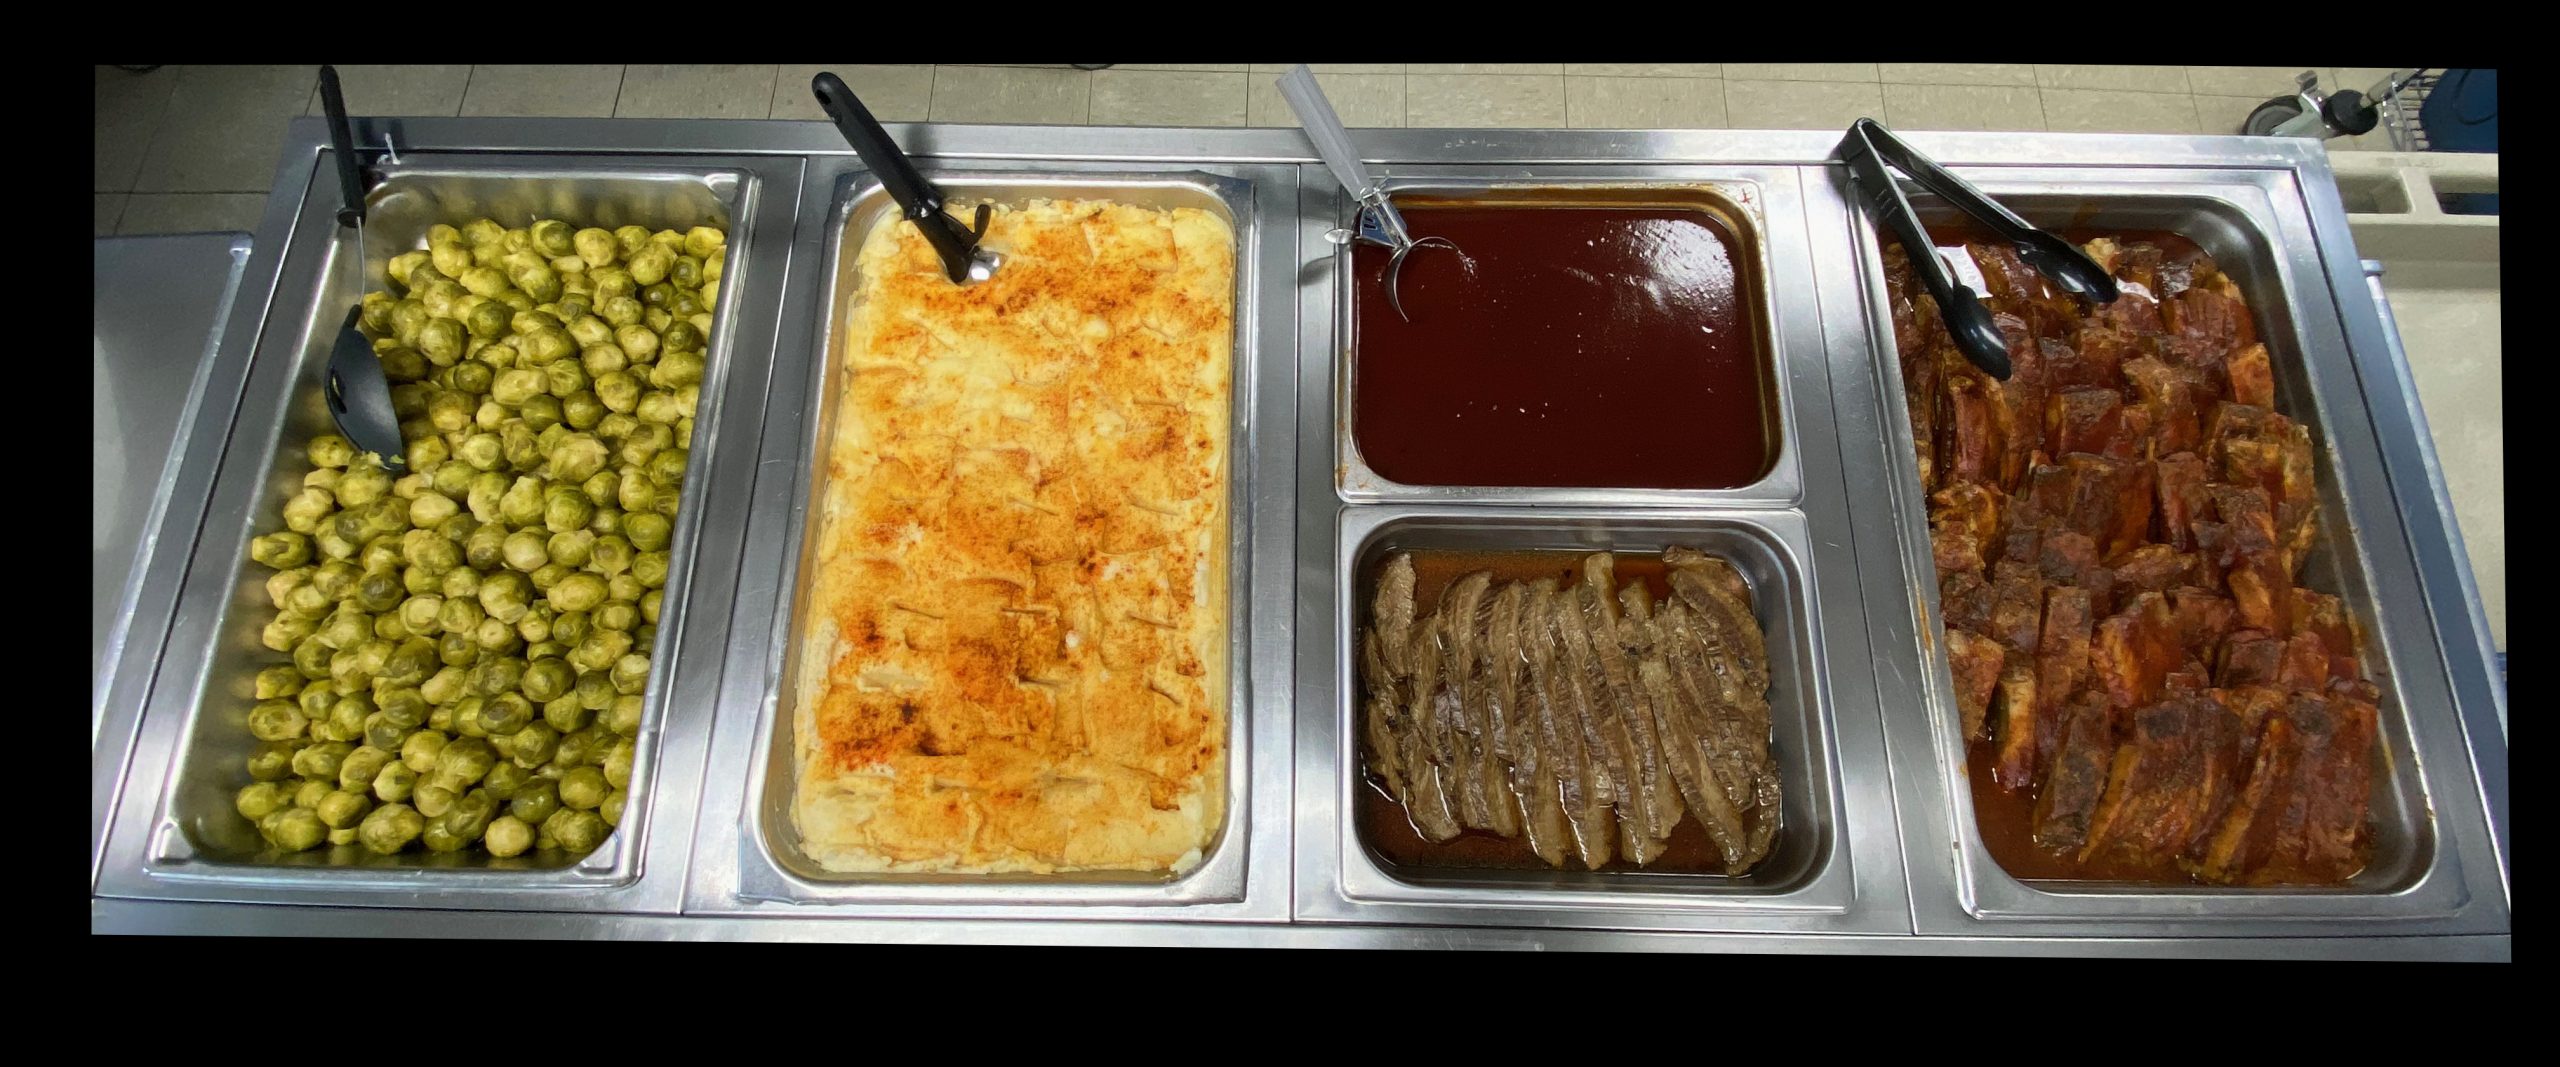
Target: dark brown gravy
[
  {"x": 1569, "y": 345},
  {"x": 1382, "y": 823}
]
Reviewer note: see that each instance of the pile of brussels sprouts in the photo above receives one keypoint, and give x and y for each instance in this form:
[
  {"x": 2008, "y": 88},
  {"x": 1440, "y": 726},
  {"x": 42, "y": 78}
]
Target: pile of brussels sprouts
[{"x": 469, "y": 640}]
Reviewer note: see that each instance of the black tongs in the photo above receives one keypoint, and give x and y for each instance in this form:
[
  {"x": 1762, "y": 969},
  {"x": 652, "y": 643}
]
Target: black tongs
[
  {"x": 358, "y": 394},
  {"x": 962, "y": 258},
  {"x": 1869, "y": 148}
]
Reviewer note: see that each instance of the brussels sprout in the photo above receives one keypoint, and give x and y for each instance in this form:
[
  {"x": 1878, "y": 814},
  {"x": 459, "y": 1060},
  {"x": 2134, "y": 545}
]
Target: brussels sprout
[
  {"x": 577, "y": 592},
  {"x": 484, "y": 281},
  {"x": 497, "y": 637},
  {"x": 599, "y": 649},
  {"x": 649, "y": 266},
  {"x": 293, "y": 829},
  {"x": 257, "y": 800},
  {"x": 394, "y": 782},
  {"x": 686, "y": 273},
  {"x": 272, "y": 761},
  {"x": 704, "y": 242},
  {"x": 677, "y": 369},
  {"x": 475, "y": 379},
  {"x": 527, "y": 549},
  {"x": 281, "y": 549},
  {"x": 434, "y": 799},
  {"x": 597, "y": 247},
  {"x": 321, "y": 761},
  {"x": 683, "y": 337},
  {"x": 441, "y": 341},
  {"x": 583, "y": 788},
  {"x": 505, "y": 778},
  {"x": 422, "y": 749},
  {"x": 443, "y": 836},
  {"x": 578, "y": 832},
  {"x": 538, "y": 281},
  {"x": 390, "y": 828},
  {"x": 309, "y": 792},
  {"x": 466, "y": 759},
  {"x": 288, "y": 632},
  {"x": 513, "y": 387},
  {"x": 565, "y": 508},
  {"x": 277, "y": 722},
  {"x": 505, "y": 596},
  {"x": 460, "y": 615},
  {"x": 463, "y": 583},
  {"x": 346, "y": 717},
  {"x": 570, "y": 712},
  {"x": 621, "y": 311},
  {"x": 450, "y": 411},
  {"x": 508, "y": 835},
  {"x": 341, "y": 808},
  {"x": 378, "y": 591},
  {"x": 631, "y": 239},
  {"x": 566, "y": 378},
  {"x": 620, "y": 613},
  {"x": 305, "y": 511},
  {"x": 582, "y": 411},
  {"x": 535, "y": 799},
  {"x": 545, "y": 346},
  {"x": 404, "y": 265},
  {"x": 553, "y": 237},
  {"x": 623, "y": 718}
]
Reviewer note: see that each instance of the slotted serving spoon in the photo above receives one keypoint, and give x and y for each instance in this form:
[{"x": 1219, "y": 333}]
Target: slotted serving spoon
[
  {"x": 1379, "y": 222},
  {"x": 358, "y": 394}
]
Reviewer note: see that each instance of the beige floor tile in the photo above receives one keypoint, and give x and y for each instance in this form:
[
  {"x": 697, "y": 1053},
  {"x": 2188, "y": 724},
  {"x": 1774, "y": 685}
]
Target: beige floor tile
[
  {"x": 1180, "y": 66},
  {"x": 1794, "y": 105},
  {"x": 2098, "y": 111},
  {"x": 891, "y": 92},
  {"x": 548, "y": 90},
  {"x": 1484, "y": 68},
  {"x": 1375, "y": 100},
  {"x": 1477, "y": 100},
  {"x": 1963, "y": 107},
  {"x": 2224, "y": 114},
  {"x": 1646, "y": 70},
  {"x": 1331, "y": 68},
  {"x": 1958, "y": 73},
  {"x": 1801, "y": 72},
  {"x": 696, "y": 91},
  {"x": 2261, "y": 82},
  {"x": 2140, "y": 79},
  {"x": 1047, "y": 96},
  {"x": 129, "y": 108},
  {"x": 224, "y": 131},
  {"x": 1619, "y": 103},
  {"x": 398, "y": 89},
  {"x": 1168, "y": 98},
  {"x": 192, "y": 212},
  {"x": 110, "y": 209}
]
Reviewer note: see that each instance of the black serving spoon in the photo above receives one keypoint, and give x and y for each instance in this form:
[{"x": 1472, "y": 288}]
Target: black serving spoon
[
  {"x": 1869, "y": 149},
  {"x": 963, "y": 259},
  {"x": 359, "y": 395}
]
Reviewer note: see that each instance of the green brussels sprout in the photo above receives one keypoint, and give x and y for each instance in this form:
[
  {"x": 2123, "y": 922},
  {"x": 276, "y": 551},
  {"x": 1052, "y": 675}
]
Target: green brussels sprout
[
  {"x": 513, "y": 387},
  {"x": 394, "y": 782},
  {"x": 450, "y": 411},
  {"x": 418, "y": 581},
  {"x": 583, "y": 788},
  {"x": 619, "y": 613},
  {"x": 591, "y": 333},
  {"x": 282, "y": 584},
  {"x": 508, "y": 836},
  {"x": 545, "y": 346},
  {"x": 451, "y": 258},
  {"x": 408, "y": 664},
  {"x": 611, "y": 811},
  {"x": 487, "y": 321},
  {"x": 704, "y": 242},
  {"x": 544, "y": 577},
  {"x": 281, "y": 550},
  {"x": 683, "y": 337},
  {"x": 496, "y": 637},
  {"x": 441, "y": 341},
  {"x": 354, "y": 668},
  {"x": 527, "y": 549},
  {"x": 677, "y": 369},
  {"x": 538, "y": 281},
  {"x": 277, "y": 720},
  {"x": 565, "y": 508},
  {"x": 686, "y": 273},
  {"x": 293, "y": 829},
  {"x": 277, "y": 682},
  {"x": 506, "y": 596},
  {"x": 346, "y": 717},
  {"x": 521, "y": 505},
  {"x": 631, "y": 239},
  {"x": 422, "y": 749},
  {"x": 288, "y": 631},
  {"x": 599, "y": 649},
  {"x": 461, "y": 615},
  {"x": 341, "y": 809},
  {"x": 655, "y": 300},
  {"x": 582, "y": 411},
  {"x": 577, "y": 592},
  {"x": 357, "y": 770},
  {"x": 569, "y": 714},
  {"x": 495, "y": 675},
  {"x": 629, "y": 674},
  {"x": 597, "y": 247},
  {"x": 535, "y": 799},
  {"x": 321, "y": 761},
  {"x": 623, "y": 718},
  {"x": 548, "y": 679},
  {"x": 578, "y": 832},
  {"x": 650, "y": 266},
  {"x": 484, "y": 281},
  {"x": 434, "y": 799},
  {"x": 407, "y": 707},
  {"x": 505, "y": 778},
  {"x": 309, "y": 792},
  {"x": 378, "y": 591},
  {"x": 306, "y": 510},
  {"x": 566, "y": 378},
  {"x": 390, "y": 828},
  {"x": 462, "y": 582},
  {"x": 621, "y": 310},
  {"x": 553, "y": 237},
  {"x": 402, "y": 266},
  {"x": 474, "y": 379},
  {"x": 466, "y": 760},
  {"x": 457, "y": 648},
  {"x": 257, "y": 800},
  {"x": 540, "y": 413},
  {"x": 443, "y": 836},
  {"x": 272, "y": 761}
]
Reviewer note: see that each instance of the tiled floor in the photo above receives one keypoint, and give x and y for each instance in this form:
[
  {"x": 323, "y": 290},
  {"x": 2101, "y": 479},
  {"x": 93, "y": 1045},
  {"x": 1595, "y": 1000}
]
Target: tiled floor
[{"x": 195, "y": 148}]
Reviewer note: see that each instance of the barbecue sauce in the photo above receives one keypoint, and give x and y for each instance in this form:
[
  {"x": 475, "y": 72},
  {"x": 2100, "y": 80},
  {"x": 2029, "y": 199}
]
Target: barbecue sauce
[
  {"x": 1383, "y": 824},
  {"x": 1563, "y": 345}
]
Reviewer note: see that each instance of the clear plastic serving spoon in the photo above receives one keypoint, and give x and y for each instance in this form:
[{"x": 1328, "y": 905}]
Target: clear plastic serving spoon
[{"x": 1379, "y": 223}]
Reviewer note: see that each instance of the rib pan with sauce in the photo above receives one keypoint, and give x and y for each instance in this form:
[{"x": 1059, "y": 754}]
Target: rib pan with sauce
[{"x": 2117, "y": 531}]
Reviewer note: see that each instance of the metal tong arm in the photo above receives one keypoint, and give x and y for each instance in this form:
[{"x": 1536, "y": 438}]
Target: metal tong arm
[
  {"x": 1380, "y": 223},
  {"x": 1976, "y": 335},
  {"x": 921, "y": 202},
  {"x": 342, "y": 144},
  {"x": 2059, "y": 260}
]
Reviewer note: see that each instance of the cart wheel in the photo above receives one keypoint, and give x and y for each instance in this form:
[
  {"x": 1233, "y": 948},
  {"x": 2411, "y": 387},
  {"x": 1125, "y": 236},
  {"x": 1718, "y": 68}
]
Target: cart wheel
[
  {"x": 138, "y": 70},
  {"x": 2267, "y": 116},
  {"x": 1090, "y": 66}
]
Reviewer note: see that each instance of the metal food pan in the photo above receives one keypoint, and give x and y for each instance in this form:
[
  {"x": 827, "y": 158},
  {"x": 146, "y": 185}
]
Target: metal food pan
[
  {"x": 778, "y": 869},
  {"x": 2412, "y": 873},
  {"x": 1761, "y": 208},
  {"x": 1806, "y": 879},
  {"x": 195, "y": 845}
]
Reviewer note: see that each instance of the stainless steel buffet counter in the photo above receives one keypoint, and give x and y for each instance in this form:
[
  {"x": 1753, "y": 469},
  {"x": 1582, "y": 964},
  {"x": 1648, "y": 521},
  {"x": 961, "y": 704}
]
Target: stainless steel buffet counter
[{"x": 1879, "y": 855}]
